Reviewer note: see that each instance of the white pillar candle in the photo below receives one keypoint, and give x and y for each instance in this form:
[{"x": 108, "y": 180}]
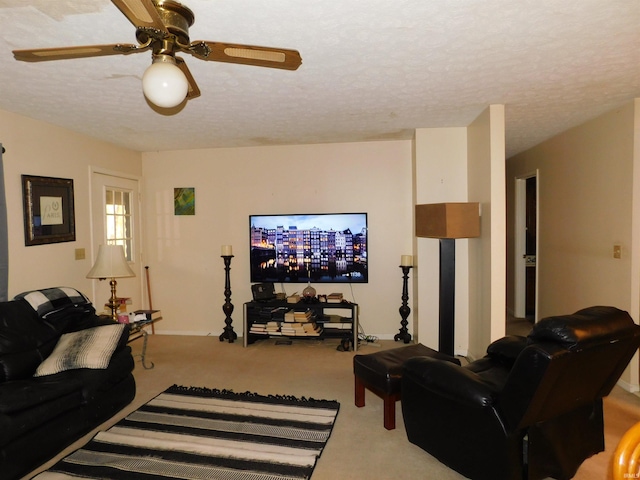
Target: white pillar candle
[
  {"x": 227, "y": 250},
  {"x": 406, "y": 261}
]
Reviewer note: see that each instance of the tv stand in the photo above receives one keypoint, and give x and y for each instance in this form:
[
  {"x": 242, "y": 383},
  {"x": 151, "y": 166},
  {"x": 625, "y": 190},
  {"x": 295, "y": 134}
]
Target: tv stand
[{"x": 263, "y": 312}]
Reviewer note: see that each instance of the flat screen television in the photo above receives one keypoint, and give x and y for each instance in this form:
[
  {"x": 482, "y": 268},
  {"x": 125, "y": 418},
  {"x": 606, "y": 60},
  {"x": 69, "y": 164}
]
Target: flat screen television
[{"x": 321, "y": 248}]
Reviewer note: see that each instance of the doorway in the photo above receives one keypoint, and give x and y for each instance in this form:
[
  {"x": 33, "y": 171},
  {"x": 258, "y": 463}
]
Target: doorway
[
  {"x": 526, "y": 247},
  {"x": 115, "y": 219}
]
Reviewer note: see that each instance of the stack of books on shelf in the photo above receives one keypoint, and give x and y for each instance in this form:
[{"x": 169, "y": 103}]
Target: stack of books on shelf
[
  {"x": 300, "y": 324},
  {"x": 335, "y": 298},
  {"x": 273, "y": 328},
  {"x": 311, "y": 329},
  {"x": 295, "y": 298},
  {"x": 297, "y": 329},
  {"x": 259, "y": 329},
  {"x": 302, "y": 316},
  {"x": 286, "y": 321},
  {"x": 291, "y": 329},
  {"x": 121, "y": 303}
]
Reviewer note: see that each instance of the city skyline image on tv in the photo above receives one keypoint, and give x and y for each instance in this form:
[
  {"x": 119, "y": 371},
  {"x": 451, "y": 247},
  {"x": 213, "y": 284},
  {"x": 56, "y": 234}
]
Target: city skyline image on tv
[{"x": 320, "y": 248}]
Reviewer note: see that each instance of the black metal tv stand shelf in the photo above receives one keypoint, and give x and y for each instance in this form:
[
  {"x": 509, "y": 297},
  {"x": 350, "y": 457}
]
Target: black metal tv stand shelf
[{"x": 261, "y": 313}]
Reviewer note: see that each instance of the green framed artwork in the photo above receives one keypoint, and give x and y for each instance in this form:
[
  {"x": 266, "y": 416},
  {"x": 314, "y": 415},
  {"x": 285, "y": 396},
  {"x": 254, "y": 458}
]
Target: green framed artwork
[{"x": 184, "y": 201}]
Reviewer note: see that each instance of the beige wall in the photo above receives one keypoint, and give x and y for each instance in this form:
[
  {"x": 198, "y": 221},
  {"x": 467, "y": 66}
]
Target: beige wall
[
  {"x": 585, "y": 207},
  {"x": 440, "y": 175},
  {"x": 486, "y": 152},
  {"x": 588, "y": 202},
  {"x": 38, "y": 148},
  {"x": 230, "y": 184}
]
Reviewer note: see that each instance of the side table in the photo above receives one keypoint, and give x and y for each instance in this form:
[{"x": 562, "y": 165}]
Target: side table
[{"x": 136, "y": 330}]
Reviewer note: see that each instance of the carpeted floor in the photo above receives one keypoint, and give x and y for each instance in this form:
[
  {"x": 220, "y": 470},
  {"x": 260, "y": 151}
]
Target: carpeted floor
[{"x": 359, "y": 446}]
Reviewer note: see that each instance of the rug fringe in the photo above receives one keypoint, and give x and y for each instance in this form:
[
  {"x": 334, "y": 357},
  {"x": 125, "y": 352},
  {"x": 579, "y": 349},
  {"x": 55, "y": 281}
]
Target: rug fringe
[{"x": 248, "y": 396}]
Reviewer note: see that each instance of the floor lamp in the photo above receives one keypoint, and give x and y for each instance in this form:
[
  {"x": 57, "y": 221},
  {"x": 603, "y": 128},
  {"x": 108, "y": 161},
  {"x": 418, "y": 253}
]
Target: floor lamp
[{"x": 446, "y": 222}]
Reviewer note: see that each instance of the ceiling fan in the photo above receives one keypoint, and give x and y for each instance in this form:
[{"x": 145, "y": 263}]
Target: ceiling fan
[{"x": 162, "y": 26}]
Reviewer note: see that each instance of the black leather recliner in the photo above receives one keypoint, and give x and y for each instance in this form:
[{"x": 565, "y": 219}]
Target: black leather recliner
[{"x": 531, "y": 408}]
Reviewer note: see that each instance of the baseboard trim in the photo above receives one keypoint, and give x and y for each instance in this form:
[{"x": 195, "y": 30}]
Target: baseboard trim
[{"x": 632, "y": 388}]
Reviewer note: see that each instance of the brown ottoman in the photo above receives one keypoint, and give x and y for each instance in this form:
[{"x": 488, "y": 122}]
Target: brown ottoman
[{"x": 381, "y": 373}]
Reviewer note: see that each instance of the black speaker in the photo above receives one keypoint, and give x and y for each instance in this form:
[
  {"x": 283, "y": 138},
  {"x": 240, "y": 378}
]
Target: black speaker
[{"x": 263, "y": 292}]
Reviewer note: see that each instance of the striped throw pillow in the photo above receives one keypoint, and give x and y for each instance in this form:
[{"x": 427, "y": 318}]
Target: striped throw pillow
[{"x": 90, "y": 348}]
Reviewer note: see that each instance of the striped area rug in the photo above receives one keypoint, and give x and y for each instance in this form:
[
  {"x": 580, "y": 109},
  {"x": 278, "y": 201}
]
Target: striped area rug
[{"x": 197, "y": 433}]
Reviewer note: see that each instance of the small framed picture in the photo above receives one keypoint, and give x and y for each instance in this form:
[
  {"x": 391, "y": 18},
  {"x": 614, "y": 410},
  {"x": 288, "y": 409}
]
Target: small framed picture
[
  {"x": 184, "y": 201},
  {"x": 49, "y": 215}
]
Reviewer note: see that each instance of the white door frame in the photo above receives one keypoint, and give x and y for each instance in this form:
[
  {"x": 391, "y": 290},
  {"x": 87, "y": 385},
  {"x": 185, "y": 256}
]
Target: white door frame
[
  {"x": 139, "y": 238},
  {"x": 520, "y": 244}
]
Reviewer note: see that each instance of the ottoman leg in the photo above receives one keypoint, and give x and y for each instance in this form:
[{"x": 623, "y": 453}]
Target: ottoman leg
[
  {"x": 359, "y": 392},
  {"x": 389, "y": 412}
]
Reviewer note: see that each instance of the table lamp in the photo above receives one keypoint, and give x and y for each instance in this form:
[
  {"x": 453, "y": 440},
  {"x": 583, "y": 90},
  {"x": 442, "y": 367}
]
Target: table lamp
[{"x": 111, "y": 263}]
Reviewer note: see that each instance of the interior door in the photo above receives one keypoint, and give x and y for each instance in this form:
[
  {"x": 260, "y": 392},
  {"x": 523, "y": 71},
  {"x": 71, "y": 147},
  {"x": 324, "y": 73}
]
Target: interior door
[
  {"x": 531, "y": 237},
  {"x": 115, "y": 214},
  {"x": 525, "y": 275}
]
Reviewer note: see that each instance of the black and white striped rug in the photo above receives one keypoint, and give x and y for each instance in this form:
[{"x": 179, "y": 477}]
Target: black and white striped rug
[{"x": 197, "y": 433}]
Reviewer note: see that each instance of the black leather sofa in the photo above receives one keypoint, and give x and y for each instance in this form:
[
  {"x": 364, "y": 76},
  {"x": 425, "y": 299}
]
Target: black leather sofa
[
  {"x": 531, "y": 408},
  {"x": 48, "y": 331}
]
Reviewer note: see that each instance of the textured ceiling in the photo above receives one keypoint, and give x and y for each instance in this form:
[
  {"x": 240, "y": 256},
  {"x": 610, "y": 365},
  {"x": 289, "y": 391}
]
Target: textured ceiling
[{"x": 372, "y": 69}]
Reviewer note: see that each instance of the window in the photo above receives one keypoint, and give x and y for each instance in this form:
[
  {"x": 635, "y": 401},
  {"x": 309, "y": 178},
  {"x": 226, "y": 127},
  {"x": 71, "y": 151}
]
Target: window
[{"x": 119, "y": 220}]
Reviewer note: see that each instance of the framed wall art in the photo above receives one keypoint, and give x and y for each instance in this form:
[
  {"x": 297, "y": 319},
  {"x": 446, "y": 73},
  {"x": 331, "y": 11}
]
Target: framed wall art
[
  {"x": 184, "y": 201},
  {"x": 49, "y": 215}
]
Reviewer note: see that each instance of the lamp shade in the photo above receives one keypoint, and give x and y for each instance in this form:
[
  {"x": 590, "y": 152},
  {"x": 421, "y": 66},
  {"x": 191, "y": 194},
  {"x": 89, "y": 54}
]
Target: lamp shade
[
  {"x": 448, "y": 220},
  {"x": 111, "y": 263}
]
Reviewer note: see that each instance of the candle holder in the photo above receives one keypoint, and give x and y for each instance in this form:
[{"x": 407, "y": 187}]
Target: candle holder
[
  {"x": 404, "y": 310},
  {"x": 227, "y": 308}
]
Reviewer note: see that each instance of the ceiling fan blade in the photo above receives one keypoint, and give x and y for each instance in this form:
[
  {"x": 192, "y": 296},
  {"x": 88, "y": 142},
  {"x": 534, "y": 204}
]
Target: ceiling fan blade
[
  {"x": 61, "y": 53},
  {"x": 246, "y": 54},
  {"x": 142, "y": 13},
  {"x": 193, "y": 91}
]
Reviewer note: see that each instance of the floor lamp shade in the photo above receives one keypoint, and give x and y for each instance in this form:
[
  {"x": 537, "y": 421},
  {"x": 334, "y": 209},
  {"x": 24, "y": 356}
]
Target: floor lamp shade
[
  {"x": 111, "y": 263},
  {"x": 447, "y": 221}
]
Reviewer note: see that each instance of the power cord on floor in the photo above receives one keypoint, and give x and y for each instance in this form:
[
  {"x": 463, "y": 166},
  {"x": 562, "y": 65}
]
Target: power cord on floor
[
  {"x": 364, "y": 339},
  {"x": 368, "y": 338}
]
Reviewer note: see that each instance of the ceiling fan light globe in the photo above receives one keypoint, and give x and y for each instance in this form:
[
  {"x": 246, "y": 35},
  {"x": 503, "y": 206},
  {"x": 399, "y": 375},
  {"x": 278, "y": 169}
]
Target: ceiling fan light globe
[{"x": 165, "y": 85}]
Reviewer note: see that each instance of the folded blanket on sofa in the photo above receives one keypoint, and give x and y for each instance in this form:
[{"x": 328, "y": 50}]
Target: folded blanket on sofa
[
  {"x": 48, "y": 301},
  {"x": 31, "y": 325}
]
